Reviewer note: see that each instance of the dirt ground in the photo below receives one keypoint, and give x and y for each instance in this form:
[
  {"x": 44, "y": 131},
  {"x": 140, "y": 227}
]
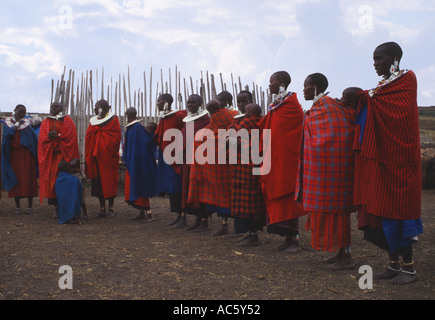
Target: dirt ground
[{"x": 127, "y": 259}]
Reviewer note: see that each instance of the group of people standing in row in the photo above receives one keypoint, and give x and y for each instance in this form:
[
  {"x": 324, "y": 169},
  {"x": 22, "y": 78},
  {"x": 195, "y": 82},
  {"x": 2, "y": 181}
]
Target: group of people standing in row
[{"x": 359, "y": 153}]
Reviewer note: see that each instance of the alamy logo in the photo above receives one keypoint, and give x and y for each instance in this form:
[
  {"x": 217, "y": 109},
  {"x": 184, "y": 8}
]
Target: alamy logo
[{"x": 228, "y": 143}]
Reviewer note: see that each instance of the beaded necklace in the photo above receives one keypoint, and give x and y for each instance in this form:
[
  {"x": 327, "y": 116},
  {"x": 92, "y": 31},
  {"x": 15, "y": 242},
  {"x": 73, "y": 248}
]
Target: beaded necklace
[{"x": 384, "y": 82}]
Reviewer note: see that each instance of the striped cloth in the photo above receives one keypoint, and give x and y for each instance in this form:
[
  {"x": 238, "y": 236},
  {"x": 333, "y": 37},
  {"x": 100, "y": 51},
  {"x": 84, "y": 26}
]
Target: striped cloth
[
  {"x": 388, "y": 163},
  {"x": 102, "y": 156},
  {"x": 246, "y": 196},
  {"x": 326, "y": 168},
  {"x": 211, "y": 183},
  {"x": 51, "y": 152}
]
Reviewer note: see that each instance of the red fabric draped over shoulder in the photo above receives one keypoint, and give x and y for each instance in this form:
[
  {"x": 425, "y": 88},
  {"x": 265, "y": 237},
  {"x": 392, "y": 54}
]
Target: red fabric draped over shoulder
[
  {"x": 66, "y": 142},
  {"x": 102, "y": 155}
]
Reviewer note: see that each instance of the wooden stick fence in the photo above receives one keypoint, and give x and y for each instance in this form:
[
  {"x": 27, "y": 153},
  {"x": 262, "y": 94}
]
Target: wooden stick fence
[{"x": 78, "y": 95}]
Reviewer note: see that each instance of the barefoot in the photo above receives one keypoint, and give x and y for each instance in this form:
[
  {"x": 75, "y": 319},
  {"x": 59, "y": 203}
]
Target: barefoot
[
  {"x": 294, "y": 247},
  {"x": 344, "y": 262}
]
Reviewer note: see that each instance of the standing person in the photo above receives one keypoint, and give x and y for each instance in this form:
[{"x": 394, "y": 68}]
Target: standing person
[
  {"x": 247, "y": 202},
  {"x": 102, "y": 141},
  {"x": 57, "y": 141},
  {"x": 243, "y": 99},
  {"x": 140, "y": 164},
  {"x": 197, "y": 119},
  {"x": 69, "y": 194},
  {"x": 388, "y": 164},
  {"x": 76, "y": 170},
  {"x": 168, "y": 180},
  {"x": 210, "y": 183},
  {"x": 326, "y": 172},
  {"x": 19, "y": 159},
  {"x": 284, "y": 120}
]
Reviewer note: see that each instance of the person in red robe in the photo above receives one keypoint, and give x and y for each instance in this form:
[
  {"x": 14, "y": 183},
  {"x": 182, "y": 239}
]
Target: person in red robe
[
  {"x": 20, "y": 159},
  {"x": 284, "y": 120},
  {"x": 102, "y": 142},
  {"x": 388, "y": 164},
  {"x": 210, "y": 182},
  {"x": 247, "y": 202},
  {"x": 57, "y": 141},
  {"x": 324, "y": 185},
  {"x": 196, "y": 120}
]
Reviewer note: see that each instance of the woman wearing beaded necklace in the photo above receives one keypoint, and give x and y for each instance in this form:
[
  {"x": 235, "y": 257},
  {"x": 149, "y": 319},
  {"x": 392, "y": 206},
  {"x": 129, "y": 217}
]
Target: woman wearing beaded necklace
[{"x": 388, "y": 164}]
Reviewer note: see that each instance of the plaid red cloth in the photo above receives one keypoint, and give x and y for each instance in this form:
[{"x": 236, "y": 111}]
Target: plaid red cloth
[
  {"x": 211, "y": 183},
  {"x": 284, "y": 120},
  {"x": 102, "y": 155},
  {"x": 140, "y": 203},
  {"x": 246, "y": 196},
  {"x": 388, "y": 170},
  {"x": 326, "y": 169},
  {"x": 66, "y": 144}
]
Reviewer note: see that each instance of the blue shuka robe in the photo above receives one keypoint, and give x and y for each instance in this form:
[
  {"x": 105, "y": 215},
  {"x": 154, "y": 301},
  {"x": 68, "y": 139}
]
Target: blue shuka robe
[{"x": 69, "y": 196}]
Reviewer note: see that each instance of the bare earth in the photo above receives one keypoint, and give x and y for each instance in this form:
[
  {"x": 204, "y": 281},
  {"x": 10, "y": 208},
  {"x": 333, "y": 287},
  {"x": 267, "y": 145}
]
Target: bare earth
[{"x": 126, "y": 259}]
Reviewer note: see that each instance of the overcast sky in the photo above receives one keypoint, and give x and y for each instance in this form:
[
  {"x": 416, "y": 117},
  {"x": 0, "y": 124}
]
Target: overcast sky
[{"x": 249, "y": 39}]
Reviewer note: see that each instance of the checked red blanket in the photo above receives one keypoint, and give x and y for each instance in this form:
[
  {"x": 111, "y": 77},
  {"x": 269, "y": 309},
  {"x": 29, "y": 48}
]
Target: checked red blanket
[
  {"x": 326, "y": 169},
  {"x": 211, "y": 183}
]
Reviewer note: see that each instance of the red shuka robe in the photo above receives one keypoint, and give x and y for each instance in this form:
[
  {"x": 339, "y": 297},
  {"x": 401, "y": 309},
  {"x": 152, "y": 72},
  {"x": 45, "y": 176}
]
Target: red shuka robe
[
  {"x": 102, "y": 155},
  {"x": 388, "y": 159},
  {"x": 51, "y": 152},
  {"x": 285, "y": 122}
]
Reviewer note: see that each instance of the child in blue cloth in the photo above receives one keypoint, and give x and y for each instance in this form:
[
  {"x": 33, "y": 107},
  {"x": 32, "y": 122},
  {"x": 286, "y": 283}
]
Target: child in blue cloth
[{"x": 69, "y": 192}]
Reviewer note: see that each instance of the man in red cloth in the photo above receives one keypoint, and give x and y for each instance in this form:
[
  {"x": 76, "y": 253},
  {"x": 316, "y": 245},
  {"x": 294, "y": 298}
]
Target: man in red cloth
[
  {"x": 102, "y": 142},
  {"x": 388, "y": 164},
  {"x": 210, "y": 182},
  {"x": 284, "y": 120},
  {"x": 326, "y": 172},
  {"x": 57, "y": 141},
  {"x": 168, "y": 179}
]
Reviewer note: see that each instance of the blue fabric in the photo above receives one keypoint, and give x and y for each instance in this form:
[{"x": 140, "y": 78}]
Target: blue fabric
[
  {"x": 168, "y": 180},
  {"x": 221, "y": 210},
  {"x": 139, "y": 158},
  {"x": 361, "y": 120},
  {"x": 69, "y": 192},
  {"x": 399, "y": 233},
  {"x": 28, "y": 139}
]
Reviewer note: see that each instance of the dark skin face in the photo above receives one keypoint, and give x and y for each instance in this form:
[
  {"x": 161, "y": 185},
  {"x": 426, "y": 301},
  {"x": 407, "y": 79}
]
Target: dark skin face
[
  {"x": 104, "y": 109},
  {"x": 274, "y": 84},
  {"x": 55, "y": 109},
  {"x": 309, "y": 90},
  {"x": 20, "y": 113},
  {"x": 382, "y": 62},
  {"x": 242, "y": 101},
  {"x": 193, "y": 104},
  {"x": 161, "y": 104}
]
